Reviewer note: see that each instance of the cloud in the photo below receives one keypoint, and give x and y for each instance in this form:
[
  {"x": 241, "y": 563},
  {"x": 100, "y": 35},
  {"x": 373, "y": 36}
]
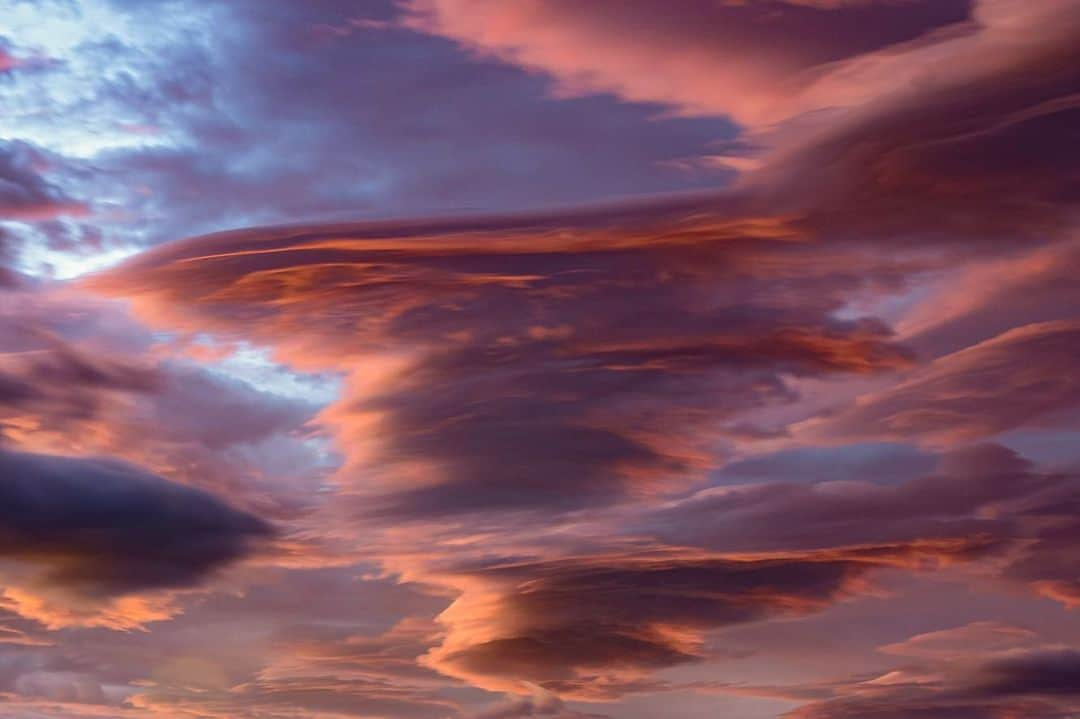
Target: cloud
[
  {"x": 948, "y": 120},
  {"x": 8, "y": 62},
  {"x": 25, "y": 195},
  {"x": 591, "y": 627},
  {"x": 729, "y": 58},
  {"x": 478, "y": 346},
  {"x": 220, "y": 433},
  {"x": 959, "y": 499},
  {"x": 987, "y": 491},
  {"x": 531, "y": 404},
  {"x": 101, "y": 528},
  {"x": 510, "y": 380},
  {"x": 60, "y": 686},
  {"x": 63, "y": 384},
  {"x": 977, "y": 638},
  {"x": 1015, "y": 379},
  {"x": 80, "y": 376},
  {"x": 353, "y": 677},
  {"x": 994, "y": 296},
  {"x": 1038, "y": 684},
  {"x": 880, "y": 463},
  {"x": 216, "y": 411},
  {"x": 183, "y": 135},
  {"x": 1049, "y": 562},
  {"x": 1045, "y": 673}
]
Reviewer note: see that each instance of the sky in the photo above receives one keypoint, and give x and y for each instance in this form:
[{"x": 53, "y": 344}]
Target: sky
[{"x": 490, "y": 359}]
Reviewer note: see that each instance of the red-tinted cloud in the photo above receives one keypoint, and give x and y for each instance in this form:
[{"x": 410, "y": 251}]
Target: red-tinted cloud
[
  {"x": 709, "y": 57},
  {"x": 591, "y": 626},
  {"x": 508, "y": 364}
]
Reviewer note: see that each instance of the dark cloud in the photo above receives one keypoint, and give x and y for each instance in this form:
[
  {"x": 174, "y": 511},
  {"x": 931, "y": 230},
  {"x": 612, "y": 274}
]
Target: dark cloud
[
  {"x": 917, "y": 703},
  {"x": 1046, "y": 673},
  {"x": 103, "y": 527},
  {"x": 1041, "y": 685}
]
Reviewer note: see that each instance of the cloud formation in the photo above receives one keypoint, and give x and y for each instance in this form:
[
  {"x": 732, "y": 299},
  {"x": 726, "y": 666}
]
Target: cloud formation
[
  {"x": 593, "y": 627},
  {"x": 104, "y": 528},
  {"x": 800, "y": 442},
  {"x": 591, "y": 336}
]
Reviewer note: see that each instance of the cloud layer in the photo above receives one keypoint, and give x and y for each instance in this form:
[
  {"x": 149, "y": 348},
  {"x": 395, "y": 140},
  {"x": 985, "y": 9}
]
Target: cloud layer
[{"x": 775, "y": 418}]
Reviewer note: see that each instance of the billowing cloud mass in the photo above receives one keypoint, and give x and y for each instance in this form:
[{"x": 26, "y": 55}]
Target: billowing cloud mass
[
  {"x": 529, "y": 331},
  {"x": 458, "y": 359}
]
